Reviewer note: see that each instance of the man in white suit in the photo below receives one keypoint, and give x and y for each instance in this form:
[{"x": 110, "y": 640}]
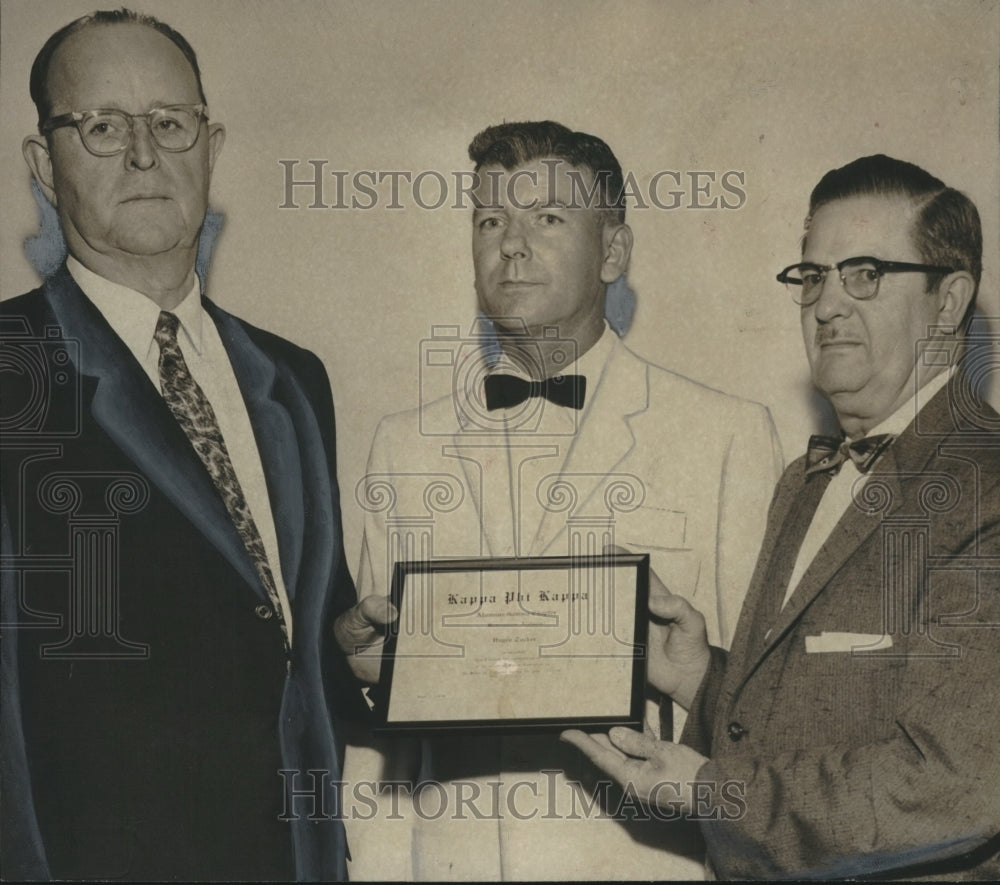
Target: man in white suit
[{"x": 556, "y": 440}]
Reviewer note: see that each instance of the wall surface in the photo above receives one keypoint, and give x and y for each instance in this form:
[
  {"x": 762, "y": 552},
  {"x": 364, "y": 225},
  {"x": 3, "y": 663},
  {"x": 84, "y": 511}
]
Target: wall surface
[{"x": 774, "y": 92}]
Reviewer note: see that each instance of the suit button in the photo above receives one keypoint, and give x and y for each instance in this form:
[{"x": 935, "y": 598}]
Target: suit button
[
  {"x": 736, "y": 731},
  {"x": 264, "y": 612}
]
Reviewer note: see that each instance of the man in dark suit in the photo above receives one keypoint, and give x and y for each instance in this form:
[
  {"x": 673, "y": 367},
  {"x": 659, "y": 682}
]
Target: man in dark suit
[
  {"x": 173, "y": 559},
  {"x": 853, "y": 728}
]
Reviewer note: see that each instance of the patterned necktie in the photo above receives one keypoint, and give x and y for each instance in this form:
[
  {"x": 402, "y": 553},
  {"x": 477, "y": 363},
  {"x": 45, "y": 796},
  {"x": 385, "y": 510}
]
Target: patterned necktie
[
  {"x": 828, "y": 453},
  {"x": 505, "y": 391},
  {"x": 196, "y": 417}
]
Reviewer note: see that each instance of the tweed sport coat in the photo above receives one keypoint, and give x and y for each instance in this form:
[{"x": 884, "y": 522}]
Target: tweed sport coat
[{"x": 861, "y": 724}]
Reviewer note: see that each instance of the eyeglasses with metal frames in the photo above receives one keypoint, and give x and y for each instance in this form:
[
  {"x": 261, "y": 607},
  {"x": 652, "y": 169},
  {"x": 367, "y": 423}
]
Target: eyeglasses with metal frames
[
  {"x": 860, "y": 276},
  {"x": 108, "y": 131}
]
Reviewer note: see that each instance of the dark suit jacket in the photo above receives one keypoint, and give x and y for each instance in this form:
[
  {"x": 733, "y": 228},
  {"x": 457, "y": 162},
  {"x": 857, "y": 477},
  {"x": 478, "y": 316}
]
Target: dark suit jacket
[
  {"x": 147, "y": 710},
  {"x": 862, "y": 760}
]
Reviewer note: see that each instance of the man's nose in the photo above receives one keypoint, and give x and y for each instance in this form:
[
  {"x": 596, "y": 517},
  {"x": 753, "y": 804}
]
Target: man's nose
[
  {"x": 514, "y": 243},
  {"x": 141, "y": 151},
  {"x": 833, "y": 299}
]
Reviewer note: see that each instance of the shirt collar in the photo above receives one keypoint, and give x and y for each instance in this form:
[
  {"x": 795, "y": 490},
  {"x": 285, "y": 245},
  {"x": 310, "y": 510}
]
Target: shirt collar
[
  {"x": 590, "y": 364},
  {"x": 903, "y": 417},
  {"x": 132, "y": 315}
]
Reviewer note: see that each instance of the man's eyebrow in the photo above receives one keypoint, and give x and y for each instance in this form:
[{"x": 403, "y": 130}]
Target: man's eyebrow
[
  {"x": 115, "y": 105},
  {"x": 110, "y": 105}
]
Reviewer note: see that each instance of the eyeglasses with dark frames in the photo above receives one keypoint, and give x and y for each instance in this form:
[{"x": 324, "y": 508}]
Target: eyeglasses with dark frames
[
  {"x": 107, "y": 131},
  {"x": 860, "y": 276}
]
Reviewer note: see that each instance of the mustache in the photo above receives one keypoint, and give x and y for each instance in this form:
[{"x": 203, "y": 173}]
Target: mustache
[{"x": 826, "y": 334}]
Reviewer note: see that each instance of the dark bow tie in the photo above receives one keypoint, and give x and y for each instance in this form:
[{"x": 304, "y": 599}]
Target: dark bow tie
[
  {"x": 505, "y": 391},
  {"x": 829, "y": 452}
]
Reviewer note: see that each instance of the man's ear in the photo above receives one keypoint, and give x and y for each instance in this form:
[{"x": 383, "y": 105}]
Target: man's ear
[
  {"x": 36, "y": 154},
  {"x": 954, "y": 295},
  {"x": 216, "y": 139},
  {"x": 617, "y": 249}
]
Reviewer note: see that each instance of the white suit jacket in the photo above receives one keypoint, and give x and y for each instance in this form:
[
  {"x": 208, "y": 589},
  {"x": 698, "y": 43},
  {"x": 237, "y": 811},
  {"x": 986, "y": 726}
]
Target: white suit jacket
[{"x": 661, "y": 464}]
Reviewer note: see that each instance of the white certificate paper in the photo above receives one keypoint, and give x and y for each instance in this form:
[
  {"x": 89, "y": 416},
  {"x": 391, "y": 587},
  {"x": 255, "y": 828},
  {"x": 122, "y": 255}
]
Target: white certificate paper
[{"x": 533, "y": 644}]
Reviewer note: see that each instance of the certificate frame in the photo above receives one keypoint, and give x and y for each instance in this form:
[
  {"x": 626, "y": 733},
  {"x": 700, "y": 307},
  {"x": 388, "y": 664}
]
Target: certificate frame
[{"x": 614, "y": 585}]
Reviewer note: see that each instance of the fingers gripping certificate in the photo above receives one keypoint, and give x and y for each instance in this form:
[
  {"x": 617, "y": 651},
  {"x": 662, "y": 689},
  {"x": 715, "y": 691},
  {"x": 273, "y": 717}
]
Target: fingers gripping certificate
[{"x": 532, "y": 644}]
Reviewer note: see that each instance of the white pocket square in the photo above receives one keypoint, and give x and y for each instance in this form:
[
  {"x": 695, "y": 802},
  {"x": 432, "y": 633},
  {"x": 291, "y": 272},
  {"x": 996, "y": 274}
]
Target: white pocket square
[{"x": 859, "y": 642}]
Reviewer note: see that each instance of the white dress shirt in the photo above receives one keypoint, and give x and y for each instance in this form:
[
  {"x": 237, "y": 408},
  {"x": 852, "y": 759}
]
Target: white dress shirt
[
  {"x": 848, "y": 483},
  {"x": 533, "y": 440},
  {"x": 133, "y": 317}
]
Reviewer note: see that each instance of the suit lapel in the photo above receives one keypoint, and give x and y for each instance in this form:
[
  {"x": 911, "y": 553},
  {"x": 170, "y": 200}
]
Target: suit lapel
[
  {"x": 263, "y": 386},
  {"x": 883, "y": 494},
  {"x": 128, "y": 408},
  {"x": 606, "y": 435},
  {"x": 851, "y": 531},
  {"x": 472, "y": 448},
  {"x": 745, "y": 642}
]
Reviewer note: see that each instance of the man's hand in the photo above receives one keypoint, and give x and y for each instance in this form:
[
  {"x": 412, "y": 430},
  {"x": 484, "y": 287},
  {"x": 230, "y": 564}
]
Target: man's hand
[
  {"x": 678, "y": 644},
  {"x": 360, "y": 633},
  {"x": 660, "y": 773},
  {"x": 678, "y": 641}
]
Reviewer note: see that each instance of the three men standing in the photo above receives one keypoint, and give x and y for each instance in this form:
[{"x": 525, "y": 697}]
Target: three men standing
[{"x": 172, "y": 537}]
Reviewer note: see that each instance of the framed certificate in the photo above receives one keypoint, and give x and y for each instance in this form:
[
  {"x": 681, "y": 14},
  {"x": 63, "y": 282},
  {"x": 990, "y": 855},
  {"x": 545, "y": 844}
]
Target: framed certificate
[{"x": 537, "y": 644}]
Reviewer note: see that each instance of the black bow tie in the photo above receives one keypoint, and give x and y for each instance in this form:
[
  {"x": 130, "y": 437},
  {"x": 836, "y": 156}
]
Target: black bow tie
[
  {"x": 829, "y": 452},
  {"x": 504, "y": 391}
]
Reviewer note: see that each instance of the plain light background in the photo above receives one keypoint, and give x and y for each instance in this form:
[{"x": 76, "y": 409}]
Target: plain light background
[{"x": 779, "y": 91}]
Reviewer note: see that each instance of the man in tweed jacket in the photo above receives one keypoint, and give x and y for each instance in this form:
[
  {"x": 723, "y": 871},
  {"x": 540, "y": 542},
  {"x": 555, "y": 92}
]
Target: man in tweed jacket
[{"x": 852, "y": 730}]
